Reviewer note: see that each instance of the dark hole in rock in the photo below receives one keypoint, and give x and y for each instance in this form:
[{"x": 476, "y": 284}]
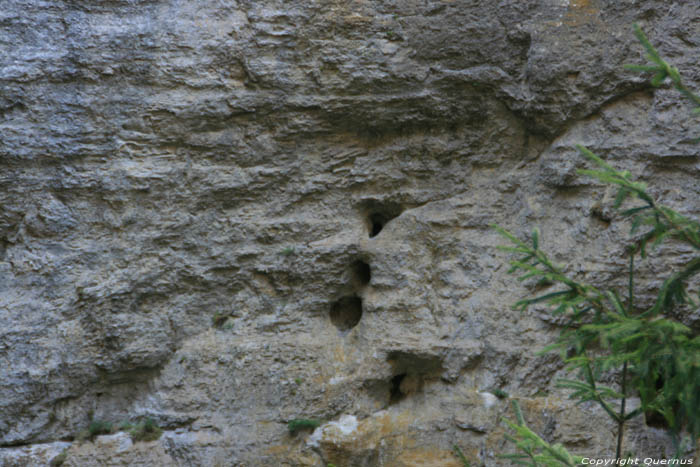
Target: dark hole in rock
[
  {"x": 361, "y": 273},
  {"x": 416, "y": 362},
  {"x": 379, "y": 214},
  {"x": 346, "y": 312},
  {"x": 377, "y": 222},
  {"x": 395, "y": 393},
  {"x": 655, "y": 419}
]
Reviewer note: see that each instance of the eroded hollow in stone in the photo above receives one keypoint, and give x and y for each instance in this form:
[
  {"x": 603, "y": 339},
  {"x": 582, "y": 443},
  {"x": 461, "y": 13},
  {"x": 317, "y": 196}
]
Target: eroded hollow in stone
[
  {"x": 395, "y": 392},
  {"x": 416, "y": 362},
  {"x": 412, "y": 371},
  {"x": 377, "y": 222},
  {"x": 361, "y": 273},
  {"x": 378, "y": 214},
  {"x": 346, "y": 312}
]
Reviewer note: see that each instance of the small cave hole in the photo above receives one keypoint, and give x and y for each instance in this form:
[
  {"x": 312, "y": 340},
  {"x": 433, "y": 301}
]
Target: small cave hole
[
  {"x": 346, "y": 312},
  {"x": 378, "y": 214},
  {"x": 361, "y": 273},
  {"x": 376, "y": 225},
  {"x": 395, "y": 393}
]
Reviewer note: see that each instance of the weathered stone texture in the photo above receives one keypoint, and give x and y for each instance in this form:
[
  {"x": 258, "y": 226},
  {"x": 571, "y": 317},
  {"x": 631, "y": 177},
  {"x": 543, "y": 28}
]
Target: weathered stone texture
[{"x": 172, "y": 163}]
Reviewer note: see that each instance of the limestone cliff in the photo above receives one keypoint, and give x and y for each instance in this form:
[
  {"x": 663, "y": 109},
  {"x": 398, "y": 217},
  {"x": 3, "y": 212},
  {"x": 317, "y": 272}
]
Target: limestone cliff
[{"x": 223, "y": 215}]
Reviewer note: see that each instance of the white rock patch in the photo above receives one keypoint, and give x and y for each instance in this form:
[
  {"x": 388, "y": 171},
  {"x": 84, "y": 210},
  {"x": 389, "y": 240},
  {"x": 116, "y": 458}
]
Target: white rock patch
[
  {"x": 346, "y": 425},
  {"x": 489, "y": 399}
]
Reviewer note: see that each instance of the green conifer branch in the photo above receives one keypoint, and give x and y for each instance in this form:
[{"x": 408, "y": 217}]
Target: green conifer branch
[
  {"x": 535, "y": 452},
  {"x": 661, "y": 69},
  {"x": 655, "y": 356}
]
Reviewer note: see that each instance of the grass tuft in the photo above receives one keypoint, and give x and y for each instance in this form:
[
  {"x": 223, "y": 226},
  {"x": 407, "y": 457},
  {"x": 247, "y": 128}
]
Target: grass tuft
[
  {"x": 96, "y": 428},
  {"x": 299, "y": 424},
  {"x": 145, "y": 431},
  {"x": 59, "y": 459}
]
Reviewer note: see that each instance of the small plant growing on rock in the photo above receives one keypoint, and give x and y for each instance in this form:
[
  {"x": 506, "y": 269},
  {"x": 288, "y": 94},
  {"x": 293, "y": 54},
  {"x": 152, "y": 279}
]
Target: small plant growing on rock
[
  {"x": 299, "y": 424},
  {"x": 125, "y": 426},
  {"x": 654, "y": 356},
  {"x": 60, "y": 459},
  {"x": 96, "y": 428},
  {"x": 460, "y": 455},
  {"x": 145, "y": 431},
  {"x": 219, "y": 319},
  {"x": 288, "y": 251}
]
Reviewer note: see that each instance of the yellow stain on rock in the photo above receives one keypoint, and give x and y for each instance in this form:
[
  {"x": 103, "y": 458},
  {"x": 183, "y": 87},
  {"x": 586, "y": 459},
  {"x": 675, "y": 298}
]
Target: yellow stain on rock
[
  {"x": 339, "y": 353},
  {"x": 283, "y": 453},
  {"x": 355, "y": 19},
  {"x": 278, "y": 449},
  {"x": 580, "y": 4},
  {"x": 582, "y": 12},
  {"x": 426, "y": 457},
  {"x": 387, "y": 424},
  {"x": 391, "y": 431}
]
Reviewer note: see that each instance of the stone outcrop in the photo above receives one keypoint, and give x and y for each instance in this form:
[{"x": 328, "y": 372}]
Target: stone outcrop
[{"x": 224, "y": 215}]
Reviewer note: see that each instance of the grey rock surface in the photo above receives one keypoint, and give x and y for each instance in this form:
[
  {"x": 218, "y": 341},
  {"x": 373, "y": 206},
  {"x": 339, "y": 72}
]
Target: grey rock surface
[{"x": 225, "y": 215}]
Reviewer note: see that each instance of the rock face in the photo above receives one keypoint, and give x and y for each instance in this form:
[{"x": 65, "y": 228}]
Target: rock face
[{"x": 225, "y": 215}]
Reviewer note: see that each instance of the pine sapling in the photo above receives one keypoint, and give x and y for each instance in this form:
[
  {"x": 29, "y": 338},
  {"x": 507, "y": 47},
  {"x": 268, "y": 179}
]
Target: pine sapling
[{"x": 655, "y": 357}]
